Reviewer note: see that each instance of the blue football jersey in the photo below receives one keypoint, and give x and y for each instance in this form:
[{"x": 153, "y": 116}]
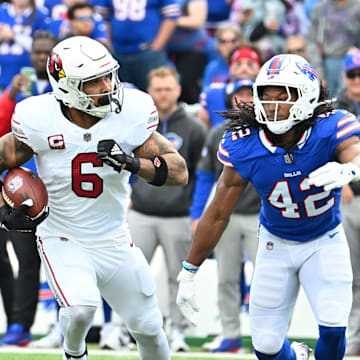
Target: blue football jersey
[
  {"x": 291, "y": 208},
  {"x": 13, "y": 55},
  {"x": 136, "y": 23},
  {"x": 213, "y": 99}
]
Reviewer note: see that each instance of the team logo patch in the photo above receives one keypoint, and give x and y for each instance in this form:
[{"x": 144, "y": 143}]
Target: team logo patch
[
  {"x": 269, "y": 245},
  {"x": 15, "y": 184},
  {"x": 157, "y": 162},
  {"x": 55, "y": 66},
  {"x": 175, "y": 139},
  {"x": 307, "y": 69}
]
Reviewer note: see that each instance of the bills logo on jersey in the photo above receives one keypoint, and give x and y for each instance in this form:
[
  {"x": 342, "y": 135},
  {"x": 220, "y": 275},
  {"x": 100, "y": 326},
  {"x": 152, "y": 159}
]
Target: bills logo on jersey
[
  {"x": 56, "y": 142},
  {"x": 175, "y": 139},
  {"x": 55, "y": 66},
  {"x": 269, "y": 245},
  {"x": 15, "y": 184}
]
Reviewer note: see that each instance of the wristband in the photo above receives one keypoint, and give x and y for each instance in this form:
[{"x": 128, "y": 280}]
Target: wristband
[
  {"x": 161, "y": 171},
  {"x": 190, "y": 267},
  {"x": 132, "y": 164}
]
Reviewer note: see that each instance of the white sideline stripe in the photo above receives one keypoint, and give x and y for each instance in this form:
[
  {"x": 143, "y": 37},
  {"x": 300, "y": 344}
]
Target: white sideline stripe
[{"x": 17, "y": 349}]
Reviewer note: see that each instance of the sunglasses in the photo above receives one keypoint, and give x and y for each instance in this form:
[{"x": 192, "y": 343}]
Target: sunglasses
[
  {"x": 83, "y": 17},
  {"x": 352, "y": 74},
  {"x": 227, "y": 41}
]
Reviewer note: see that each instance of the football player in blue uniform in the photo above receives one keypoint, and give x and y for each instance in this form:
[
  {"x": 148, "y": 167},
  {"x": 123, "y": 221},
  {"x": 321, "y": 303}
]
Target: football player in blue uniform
[{"x": 298, "y": 152}]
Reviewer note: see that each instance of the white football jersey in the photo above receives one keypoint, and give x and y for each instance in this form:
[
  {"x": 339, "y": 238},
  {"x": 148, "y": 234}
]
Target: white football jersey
[{"x": 88, "y": 199}]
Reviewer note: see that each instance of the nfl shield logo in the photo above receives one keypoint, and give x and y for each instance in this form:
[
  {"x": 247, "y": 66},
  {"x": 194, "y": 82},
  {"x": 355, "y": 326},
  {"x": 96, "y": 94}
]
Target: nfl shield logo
[
  {"x": 87, "y": 137},
  {"x": 269, "y": 245},
  {"x": 288, "y": 158}
]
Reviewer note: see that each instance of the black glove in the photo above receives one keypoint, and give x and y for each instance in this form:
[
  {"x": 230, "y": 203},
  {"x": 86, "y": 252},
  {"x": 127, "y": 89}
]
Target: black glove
[
  {"x": 111, "y": 154},
  {"x": 18, "y": 220}
]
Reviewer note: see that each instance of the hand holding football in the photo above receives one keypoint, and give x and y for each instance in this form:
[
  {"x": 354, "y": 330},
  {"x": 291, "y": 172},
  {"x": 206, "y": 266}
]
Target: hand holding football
[{"x": 21, "y": 184}]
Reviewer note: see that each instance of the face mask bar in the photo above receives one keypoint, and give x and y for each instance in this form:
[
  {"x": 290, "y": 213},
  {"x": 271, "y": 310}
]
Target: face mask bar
[{"x": 262, "y": 105}]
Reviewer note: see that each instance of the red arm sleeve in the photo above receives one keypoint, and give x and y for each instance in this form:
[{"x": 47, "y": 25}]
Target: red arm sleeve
[{"x": 7, "y": 107}]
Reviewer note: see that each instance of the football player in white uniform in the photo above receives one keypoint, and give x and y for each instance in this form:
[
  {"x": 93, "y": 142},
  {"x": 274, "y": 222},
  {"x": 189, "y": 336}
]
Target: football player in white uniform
[{"x": 88, "y": 136}]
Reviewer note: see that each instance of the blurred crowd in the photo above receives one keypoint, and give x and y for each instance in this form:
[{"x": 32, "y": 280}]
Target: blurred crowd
[{"x": 209, "y": 53}]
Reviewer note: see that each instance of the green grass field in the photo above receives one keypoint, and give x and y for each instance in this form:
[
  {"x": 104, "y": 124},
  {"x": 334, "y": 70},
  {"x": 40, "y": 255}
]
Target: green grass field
[{"x": 29, "y": 354}]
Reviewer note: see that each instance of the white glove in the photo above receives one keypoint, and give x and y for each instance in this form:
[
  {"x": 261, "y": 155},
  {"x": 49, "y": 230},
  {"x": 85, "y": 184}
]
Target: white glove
[
  {"x": 334, "y": 175},
  {"x": 186, "y": 295}
]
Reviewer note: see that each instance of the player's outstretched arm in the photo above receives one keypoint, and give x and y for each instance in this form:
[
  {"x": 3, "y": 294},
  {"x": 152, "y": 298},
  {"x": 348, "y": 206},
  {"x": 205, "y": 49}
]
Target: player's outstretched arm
[
  {"x": 211, "y": 226},
  {"x": 155, "y": 148},
  {"x": 216, "y": 217},
  {"x": 337, "y": 174}
]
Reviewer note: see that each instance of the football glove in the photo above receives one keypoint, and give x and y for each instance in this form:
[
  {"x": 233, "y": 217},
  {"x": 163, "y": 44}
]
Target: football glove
[
  {"x": 186, "y": 295},
  {"x": 18, "y": 220},
  {"x": 334, "y": 175},
  {"x": 113, "y": 155}
]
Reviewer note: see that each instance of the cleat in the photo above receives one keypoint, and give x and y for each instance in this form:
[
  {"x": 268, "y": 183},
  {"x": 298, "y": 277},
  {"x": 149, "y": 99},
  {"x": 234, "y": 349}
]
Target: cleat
[
  {"x": 16, "y": 335},
  {"x": 302, "y": 351},
  {"x": 53, "y": 339},
  {"x": 211, "y": 345},
  {"x": 229, "y": 345},
  {"x": 177, "y": 343},
  {"x": 113, "y": 338},
  {"x": 73, "y": 357}
]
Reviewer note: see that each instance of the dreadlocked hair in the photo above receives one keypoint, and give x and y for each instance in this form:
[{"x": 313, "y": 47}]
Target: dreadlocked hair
[
  {"x": 243, "y": 116},
  {"x": 240, "y": 117}
]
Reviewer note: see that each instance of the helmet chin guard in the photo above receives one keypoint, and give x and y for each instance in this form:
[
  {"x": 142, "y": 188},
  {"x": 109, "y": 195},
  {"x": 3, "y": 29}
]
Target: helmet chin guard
[
  {"x": 77, "y": 60},
  {"x": 292, "y": 72}
]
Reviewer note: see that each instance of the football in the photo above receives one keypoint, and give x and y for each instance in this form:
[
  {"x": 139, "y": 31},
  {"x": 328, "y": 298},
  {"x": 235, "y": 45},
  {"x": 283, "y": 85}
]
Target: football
[{"x": 21, "y": 184}]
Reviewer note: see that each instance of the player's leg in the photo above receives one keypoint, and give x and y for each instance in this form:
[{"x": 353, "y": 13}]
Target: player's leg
[
  {"x": 130, "y": 291},
  {"x": 229, "y": 259},
  {"x": 329, "y": 291},
  {"x": 272, "y": 297},
  {"x": 175, "y": 238},
  {"x": 71, "y": 276}
]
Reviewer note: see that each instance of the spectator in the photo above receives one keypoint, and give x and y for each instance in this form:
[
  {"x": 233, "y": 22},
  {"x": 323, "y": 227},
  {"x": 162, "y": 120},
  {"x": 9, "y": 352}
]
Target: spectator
[
  {"x": 27, "y": 282},
  {"x": 349, "y": 99},
  {"x": 240, "y": 236},
  {"x": 244, "y": 62},
  {"x": 188, "y": 45},
  {"x": 333, "y": 30},
  {"x": 140, "y": 31},
  {"x": 296, "y": 44},
  {"x": 218, "y": 12},
  {"x": 261, "y": 23},
  {"x": 81, "y": 20},
  {"x": 18, "y": 22},
  {"x": 227, "y": 37},
  {"x": 166, "y": 221}
]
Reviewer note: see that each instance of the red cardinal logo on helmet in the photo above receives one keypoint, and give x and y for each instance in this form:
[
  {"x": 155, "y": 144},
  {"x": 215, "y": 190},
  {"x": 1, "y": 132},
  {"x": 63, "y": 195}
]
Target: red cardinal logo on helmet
[{"x": 55, "y": 66}]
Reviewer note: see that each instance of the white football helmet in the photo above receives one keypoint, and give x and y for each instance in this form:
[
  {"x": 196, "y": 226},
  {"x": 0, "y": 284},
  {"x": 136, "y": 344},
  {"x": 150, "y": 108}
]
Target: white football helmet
[
  {"x": 288, "y": 71},
  {"x": 77, "y": 60}
]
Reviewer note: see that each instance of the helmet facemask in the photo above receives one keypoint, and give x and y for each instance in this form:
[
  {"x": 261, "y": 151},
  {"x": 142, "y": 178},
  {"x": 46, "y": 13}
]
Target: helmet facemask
[
  {"x": 108, "y": 102},
  {"x": 302, "y": 88},
  {"x": 77, "y": 60}
]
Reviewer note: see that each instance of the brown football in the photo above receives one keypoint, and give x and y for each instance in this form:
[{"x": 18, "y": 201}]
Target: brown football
[{"x": 21, "y": 184}]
